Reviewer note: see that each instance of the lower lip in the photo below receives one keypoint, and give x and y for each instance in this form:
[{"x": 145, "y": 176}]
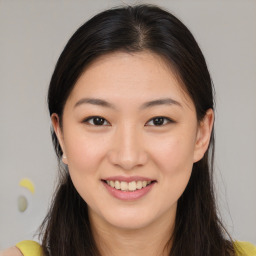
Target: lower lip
[{"x": 128, "y": 195}]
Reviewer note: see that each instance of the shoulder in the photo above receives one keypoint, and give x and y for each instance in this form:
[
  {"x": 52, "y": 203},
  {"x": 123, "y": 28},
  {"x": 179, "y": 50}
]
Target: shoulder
[
  {"x": 245, "y": 248},
  {"x": 13, "y": 251}
]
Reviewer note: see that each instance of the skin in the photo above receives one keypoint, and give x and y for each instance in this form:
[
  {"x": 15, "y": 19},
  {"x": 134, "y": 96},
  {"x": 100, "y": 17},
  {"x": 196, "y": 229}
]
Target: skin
[
  {"x": 13, "y": 251},
  {"x": 130, "y": 144}
]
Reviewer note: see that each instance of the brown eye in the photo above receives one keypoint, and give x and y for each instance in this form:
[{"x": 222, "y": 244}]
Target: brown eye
[
  {"x": 96, "y": 120},
  {"x": 159, "y": 121}
]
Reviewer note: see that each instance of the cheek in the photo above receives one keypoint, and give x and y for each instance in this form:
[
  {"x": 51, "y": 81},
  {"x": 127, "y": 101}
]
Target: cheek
[
  {"x": 175, "y": 160},
  {"x": 84, "y": 153},
  {"x": 174, "y": 153}
]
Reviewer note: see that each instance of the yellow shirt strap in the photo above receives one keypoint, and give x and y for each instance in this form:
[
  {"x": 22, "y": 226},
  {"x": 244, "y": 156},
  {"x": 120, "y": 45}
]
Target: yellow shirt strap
[
  {"x": 30, "y": 248},
  {"x": 245, "y": 248}
]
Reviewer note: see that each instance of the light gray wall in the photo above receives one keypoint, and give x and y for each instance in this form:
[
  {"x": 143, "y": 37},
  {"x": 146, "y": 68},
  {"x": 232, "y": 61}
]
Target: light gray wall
[{"x": 32, "y": 35}]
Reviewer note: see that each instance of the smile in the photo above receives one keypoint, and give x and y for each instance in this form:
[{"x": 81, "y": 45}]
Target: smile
[{"x": 128, "y": 186}]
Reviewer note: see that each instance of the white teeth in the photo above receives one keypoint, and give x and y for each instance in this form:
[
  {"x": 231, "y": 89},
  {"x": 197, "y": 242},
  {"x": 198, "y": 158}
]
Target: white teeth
[
  {"x": 128, "y": 186},
  {"x": 124, "y": 185},
  {"x": 132, "y": 186},
  {"x": 117, "y": 184},
  {"x": 139, "y": 184},
  {"x": 112, "y": 183}
]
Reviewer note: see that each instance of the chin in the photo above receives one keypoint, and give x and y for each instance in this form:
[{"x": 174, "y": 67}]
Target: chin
[
  {"x": 130, "y": 224},
  {"x": 130, "y": 220}
]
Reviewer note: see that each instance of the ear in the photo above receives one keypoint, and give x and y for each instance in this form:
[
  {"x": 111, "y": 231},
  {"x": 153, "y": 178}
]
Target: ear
[
  {"x": 203, "y": 135},
  {"x": 58, "y": 131}
]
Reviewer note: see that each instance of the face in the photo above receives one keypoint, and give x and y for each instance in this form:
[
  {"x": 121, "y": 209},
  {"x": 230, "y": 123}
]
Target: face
[{"x": 130, "y": 136}]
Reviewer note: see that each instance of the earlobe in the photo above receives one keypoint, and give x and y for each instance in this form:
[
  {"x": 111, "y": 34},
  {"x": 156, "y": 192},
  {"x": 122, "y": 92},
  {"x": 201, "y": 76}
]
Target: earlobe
[
  {"x": 57, "y": 129},
  {"x": 203, "y": 135}
]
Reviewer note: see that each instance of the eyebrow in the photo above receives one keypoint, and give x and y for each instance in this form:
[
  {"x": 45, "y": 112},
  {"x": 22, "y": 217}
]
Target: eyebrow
[
  {"x": 94, "y": 101},
  {"x": 164, "y": 101},
  {"x": 103, "y": 103}
]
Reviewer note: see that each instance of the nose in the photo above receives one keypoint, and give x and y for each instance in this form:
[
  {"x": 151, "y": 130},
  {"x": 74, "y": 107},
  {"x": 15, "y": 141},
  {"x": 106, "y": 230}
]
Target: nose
[{"x": 127, "y": 149}]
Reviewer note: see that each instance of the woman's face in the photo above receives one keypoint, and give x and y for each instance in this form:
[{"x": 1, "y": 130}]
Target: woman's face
[{"x": 130, "y": 135}]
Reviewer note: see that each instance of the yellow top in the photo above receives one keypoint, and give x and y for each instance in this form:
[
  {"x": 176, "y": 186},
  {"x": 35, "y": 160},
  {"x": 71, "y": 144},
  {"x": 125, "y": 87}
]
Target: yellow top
[
  {"x": 31, "y": 248},
  {"x": 245, "y": 249}
]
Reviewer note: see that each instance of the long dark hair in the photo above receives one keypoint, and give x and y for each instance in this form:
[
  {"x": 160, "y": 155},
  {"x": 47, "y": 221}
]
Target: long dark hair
[{"x": 198, "y": 229}]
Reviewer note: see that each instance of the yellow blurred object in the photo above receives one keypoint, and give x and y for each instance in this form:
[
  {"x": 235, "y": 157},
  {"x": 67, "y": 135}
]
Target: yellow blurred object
[
  {"x": 30, "y": 248},
  {"x": 26, "y": 183}
]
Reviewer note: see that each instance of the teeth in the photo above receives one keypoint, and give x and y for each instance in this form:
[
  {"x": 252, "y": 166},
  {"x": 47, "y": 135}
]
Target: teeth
[
  {"x": 117, "y": 184},
  {"x": 132, "y": 186},
  {"x": 139, "y": 185},
  {"x": 124, "y": 186},
  {"x": 128, "y": 186},
  {"x": 112, "y": 183}
]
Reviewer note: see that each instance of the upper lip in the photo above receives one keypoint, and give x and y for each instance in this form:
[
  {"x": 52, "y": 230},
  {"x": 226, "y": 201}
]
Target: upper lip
[{"x": 128, "y": 179}]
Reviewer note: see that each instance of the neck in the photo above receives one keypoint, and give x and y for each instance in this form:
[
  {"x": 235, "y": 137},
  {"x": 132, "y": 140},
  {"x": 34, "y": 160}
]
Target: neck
[{"x": 153, "y": 240}]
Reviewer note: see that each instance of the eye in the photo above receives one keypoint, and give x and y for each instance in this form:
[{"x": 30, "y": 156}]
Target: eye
[
  {"x": 96, "y": 120},
  {"x": 159, "y": 121}
]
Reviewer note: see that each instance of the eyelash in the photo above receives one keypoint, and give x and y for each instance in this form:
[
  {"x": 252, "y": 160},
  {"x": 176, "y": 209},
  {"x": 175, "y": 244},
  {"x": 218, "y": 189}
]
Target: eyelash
[{"x": 154, "y": 118}]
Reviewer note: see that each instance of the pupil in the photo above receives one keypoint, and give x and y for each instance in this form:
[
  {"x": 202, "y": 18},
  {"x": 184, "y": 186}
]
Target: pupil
[
  {"x": 98, "y": 121},
  {"x": 158, "y": 121}
]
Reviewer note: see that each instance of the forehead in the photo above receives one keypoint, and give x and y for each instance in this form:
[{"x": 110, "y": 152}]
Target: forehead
[{"x": 122, "y": 75}]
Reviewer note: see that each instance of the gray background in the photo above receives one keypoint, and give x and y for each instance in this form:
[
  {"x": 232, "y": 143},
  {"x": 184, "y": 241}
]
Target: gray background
[{"x": 33, "y": 34}]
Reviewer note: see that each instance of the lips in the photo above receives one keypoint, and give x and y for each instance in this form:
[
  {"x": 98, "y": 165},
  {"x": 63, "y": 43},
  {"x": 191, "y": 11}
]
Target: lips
[{"x": 128, "y": 188}]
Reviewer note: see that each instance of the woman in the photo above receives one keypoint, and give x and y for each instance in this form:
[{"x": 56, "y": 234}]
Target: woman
[{"x": 132, "y": 110}]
